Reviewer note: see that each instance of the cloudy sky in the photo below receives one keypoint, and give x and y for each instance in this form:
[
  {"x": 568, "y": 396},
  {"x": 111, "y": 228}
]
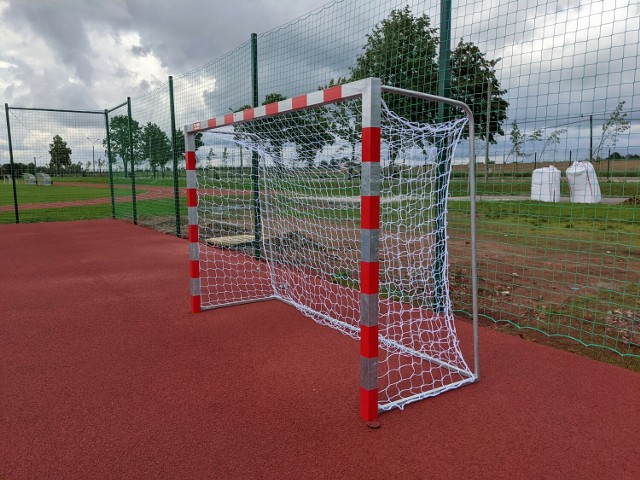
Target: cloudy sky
[
  {"x": 81, "y": 54},
  {"x": 561, "y": 60}
]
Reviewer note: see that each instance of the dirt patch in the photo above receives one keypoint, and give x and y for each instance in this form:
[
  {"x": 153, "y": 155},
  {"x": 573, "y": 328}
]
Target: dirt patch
[
  {"x": 559, "y": 292},
  {"x": 624, "y": 324}
]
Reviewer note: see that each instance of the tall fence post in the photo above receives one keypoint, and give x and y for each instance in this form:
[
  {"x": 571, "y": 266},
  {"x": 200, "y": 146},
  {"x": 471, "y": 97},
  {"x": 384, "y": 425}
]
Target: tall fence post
[
  {"x": 487, "y": 135},
  {"x": 13, "y": 166},
  {"x": 255, "y": 182},
  {"x": 133, "y": 163},
  {"x": 110, "y": 163},
  {"x": 174, "y": 153},
  {"x": 591, "y": 138},
  {"x": 444, "y": 113}
]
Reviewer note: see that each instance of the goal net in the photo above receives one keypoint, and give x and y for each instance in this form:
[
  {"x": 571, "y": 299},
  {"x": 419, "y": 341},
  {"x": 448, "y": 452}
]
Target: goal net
[{"x": 335, "y": 203}]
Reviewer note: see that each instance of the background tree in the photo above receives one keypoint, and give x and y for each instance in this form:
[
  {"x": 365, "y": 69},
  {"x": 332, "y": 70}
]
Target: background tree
[
  {"x": 616, "y": 124},
  {"x": 239, "y": 128},
  {"x": 60, "y": 154},
  {"x": 346, "y": 124},
  {"x": 519, "y": 139},
  {"x": 313, "y": 133},
  {"x": 552, "y": 139},
  {"x": 157, "y": 147},
  {"x": 276, "y": 125},
  {"x": 212, "y": 169},
  {"x": 225, "y": 156},
  {"x": 472, "y": 74},
  {"x": 180, "y": 144},
  {"x": 210, "y": 157},
  {"x": 272, "y": 130},
  {"x": 402, "y": 51},
  {"x": 119, "y": 133}
]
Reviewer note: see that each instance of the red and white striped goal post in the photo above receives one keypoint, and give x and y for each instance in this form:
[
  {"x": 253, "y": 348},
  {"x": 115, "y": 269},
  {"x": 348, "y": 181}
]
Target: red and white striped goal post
[{"x": 370, "y": 91}]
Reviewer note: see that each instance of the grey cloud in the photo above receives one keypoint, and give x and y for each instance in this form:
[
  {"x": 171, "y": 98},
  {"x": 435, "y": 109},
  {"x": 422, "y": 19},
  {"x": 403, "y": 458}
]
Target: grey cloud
[
  {"x": 190, "y": 33},
  {"x": 47, "y": 88},
  {"x": 61, "y": 28},
  {"x": 140, "y": 51}
]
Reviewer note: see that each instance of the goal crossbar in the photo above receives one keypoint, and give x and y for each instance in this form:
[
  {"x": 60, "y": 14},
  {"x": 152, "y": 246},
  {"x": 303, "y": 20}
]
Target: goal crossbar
[{"x": 369, "y": 92}]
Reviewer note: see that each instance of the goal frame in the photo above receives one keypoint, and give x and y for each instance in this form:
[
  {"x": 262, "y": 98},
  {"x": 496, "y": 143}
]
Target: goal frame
[{"x": 370, "y": 92}]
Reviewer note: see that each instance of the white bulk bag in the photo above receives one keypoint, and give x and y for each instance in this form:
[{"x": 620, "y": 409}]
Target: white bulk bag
[
  {"x": 583, "y": 183},
  {"x": 545, "y": 184}
]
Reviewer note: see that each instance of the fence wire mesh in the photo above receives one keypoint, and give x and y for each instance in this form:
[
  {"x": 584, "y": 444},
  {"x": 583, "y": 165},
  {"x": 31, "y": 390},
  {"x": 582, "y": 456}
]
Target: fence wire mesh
[
  {"x": 551, "y": 84},
  {"x": 55, "y": 155}
]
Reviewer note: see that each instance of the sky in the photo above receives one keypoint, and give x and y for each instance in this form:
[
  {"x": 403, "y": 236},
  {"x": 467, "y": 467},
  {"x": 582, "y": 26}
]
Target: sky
[
  {"x": 559, "y": 60},
  {"x": 91, "y": 54}
]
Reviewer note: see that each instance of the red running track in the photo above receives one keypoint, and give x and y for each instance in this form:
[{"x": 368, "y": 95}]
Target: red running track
[{"x": 104, "y": 373}]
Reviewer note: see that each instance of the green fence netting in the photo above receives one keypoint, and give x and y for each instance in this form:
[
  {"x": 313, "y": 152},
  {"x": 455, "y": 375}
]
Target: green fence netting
[
  {"x": 59, "y": 166},
  {"x": 554, "y": 91}
]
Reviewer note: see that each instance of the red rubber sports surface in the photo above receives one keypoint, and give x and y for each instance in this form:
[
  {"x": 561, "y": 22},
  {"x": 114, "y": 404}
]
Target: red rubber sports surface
[{"x": 104, "y": 373}]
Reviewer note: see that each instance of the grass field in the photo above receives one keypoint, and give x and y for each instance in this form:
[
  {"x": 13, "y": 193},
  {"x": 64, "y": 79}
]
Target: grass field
[
  {"x": 28, "y": 194},
  {"x": 568, "y": 270}
]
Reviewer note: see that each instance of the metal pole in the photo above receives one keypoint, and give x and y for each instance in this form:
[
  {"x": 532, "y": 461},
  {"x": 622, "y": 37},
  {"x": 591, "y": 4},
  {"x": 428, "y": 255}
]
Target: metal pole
[
  {"x": 487, "y": 135},
  {"x": 591, "y": 138},
  {"x": 13, "y": 178},
  {"x": 133, "y": 164},
  {"x": 174, "y": 153},
  {"x": 93, "y": 157},
  {"x": 255, "y": 180},
  {"x": 444, "y": 113},
  {"x": 109, "y": 163}
]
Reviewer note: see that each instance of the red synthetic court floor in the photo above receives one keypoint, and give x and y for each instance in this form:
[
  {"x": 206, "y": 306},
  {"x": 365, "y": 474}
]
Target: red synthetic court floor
[{"x": 104, "y": 373}]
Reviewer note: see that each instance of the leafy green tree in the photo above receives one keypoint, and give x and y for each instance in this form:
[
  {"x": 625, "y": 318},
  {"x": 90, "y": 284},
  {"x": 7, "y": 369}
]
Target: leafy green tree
[
  {"x": 313, "y": 133},
  {"x": 472, "y": 74},
  {"x": 157, "y": 147},
  {"x": 271, "y": 130},
  {"x": 119, "y": 133},
  {"x": 60, "y": 154},
  {"x": 402, "y": 51},
  {"x": 308, "y": 129}
]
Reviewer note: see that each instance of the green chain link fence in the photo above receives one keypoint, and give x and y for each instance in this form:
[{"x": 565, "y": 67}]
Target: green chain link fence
[{"x": 550, "y": 84}]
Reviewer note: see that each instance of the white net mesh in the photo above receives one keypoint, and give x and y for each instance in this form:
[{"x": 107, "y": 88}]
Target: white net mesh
[{"x": 309, "y": 232}]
